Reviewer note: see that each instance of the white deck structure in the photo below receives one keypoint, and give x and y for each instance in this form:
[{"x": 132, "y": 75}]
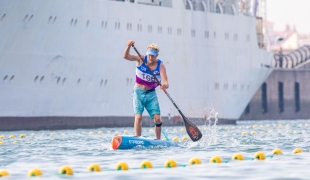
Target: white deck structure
[{"x": 63, "y": 58}]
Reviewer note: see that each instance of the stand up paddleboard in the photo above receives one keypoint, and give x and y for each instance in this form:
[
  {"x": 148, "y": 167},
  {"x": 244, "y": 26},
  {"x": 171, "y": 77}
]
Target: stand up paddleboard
[{"x": 131, "y": 142}]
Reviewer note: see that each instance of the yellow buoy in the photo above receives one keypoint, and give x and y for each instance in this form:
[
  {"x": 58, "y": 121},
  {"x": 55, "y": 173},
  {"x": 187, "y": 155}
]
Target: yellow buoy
[
  {"x": 1, "y": 137},
  {"x": 100, "y": 132},
  {"x": 297, "y": 150},
  {"x": 295, "y": 131},
  {"x": 194, "y": 161},
  {"x": 170, "y": 163},
  {"x": 12, "y": 136},
  {"x": 280, "y": 125},
  {"x": 253, "y": 132},
  {"x": 262, "y": 132},
  {"x": 66, "y": 170},
  {"x": 52, "y": 134},
  {"x": 233, "y": 127},
  {"x": 277, "y": 151},
  {"x": 227, "y": 128},
  {"x": 164, "y": 139},
  {"x": 224, "y": 135},
  {"x": 91, "y": 133},
  {"x": 270, "y": 131},
  {"x": 22, "y": 136},
  {"x": 254, "y": 126},
  {"x": 121, "y": 166},
  {"x": 175, "y": 139},
  {"x": 15, "y": 142},
  {"x": 32, "y": 134},
  {"x": 4, "y": 173},
  {"x": 237, "y": 156},
  {"x": 288, "y": 131},
  {"x": 205, "y": 128},
  {"x": 182, "y": 130},
  {"x": 244, "y": 133},
  {"x": 259, "y": 156},
  {"x": 306, "y": 124},
  {"x": 146, "y": 164},
  {"x": 215, "y": 159},
  {"x": 126, "y": 131},
  {"x": 35, "y": 172},
  {"x": 1, "y": 142},
  {"x": 279, "y": 131},
  {"x": 94, "y": 167},
  {"x": 184, "y": 138}
]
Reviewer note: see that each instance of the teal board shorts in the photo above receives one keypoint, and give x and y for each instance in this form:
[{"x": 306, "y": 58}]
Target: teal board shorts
[{"x": 145, "y": 99}]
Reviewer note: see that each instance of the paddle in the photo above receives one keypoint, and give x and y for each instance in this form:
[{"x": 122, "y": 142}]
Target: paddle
[{"x": 192, "y": 130}]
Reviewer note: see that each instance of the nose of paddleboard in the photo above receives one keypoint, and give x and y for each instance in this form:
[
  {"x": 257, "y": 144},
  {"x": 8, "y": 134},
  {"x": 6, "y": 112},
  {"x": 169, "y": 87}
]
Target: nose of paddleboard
[{"x": 116, "y": 142}]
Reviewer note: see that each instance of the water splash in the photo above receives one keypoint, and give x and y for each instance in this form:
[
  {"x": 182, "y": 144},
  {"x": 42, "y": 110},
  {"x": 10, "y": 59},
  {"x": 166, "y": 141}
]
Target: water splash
[{"x": 209, "y": 128}]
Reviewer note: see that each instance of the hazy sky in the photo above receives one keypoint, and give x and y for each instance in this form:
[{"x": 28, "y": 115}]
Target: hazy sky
[{"x": 293, "y": 12}]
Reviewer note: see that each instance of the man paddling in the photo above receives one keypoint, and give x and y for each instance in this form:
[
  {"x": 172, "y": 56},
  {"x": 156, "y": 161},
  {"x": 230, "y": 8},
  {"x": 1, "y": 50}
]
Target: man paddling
[{"x": 144, "y": 94}]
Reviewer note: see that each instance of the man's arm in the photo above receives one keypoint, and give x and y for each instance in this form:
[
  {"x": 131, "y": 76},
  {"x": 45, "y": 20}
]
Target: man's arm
[
  {"x": 164, "y": 78},
  {"x": 128, "y": 56}
]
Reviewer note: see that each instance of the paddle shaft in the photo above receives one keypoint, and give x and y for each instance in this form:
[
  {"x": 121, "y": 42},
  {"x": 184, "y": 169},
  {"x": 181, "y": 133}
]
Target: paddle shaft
[{"x": 191, "y": 128}]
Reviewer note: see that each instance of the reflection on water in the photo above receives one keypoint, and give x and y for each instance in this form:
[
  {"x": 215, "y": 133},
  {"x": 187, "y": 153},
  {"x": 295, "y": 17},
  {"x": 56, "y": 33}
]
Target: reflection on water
[{"x": 49, "y": 150}]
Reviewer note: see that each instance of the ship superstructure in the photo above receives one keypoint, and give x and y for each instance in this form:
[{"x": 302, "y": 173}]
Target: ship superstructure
[{"x": 63, "y": 58}]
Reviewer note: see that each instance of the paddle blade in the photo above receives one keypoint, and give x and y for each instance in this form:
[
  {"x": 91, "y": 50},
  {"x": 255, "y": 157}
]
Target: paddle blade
[{"x": 192, "y": 130}]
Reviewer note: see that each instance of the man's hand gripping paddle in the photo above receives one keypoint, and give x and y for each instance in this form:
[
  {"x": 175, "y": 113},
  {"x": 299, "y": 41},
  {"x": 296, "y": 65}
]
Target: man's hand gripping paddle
[{"x": 192, "y": 130}]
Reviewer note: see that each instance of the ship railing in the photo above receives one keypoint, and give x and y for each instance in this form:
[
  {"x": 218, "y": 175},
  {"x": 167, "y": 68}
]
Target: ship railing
[
  {"x": 213, "y": 6},
  {"x": 292, "y": 59},
  {"x": 163, "y": 3}
]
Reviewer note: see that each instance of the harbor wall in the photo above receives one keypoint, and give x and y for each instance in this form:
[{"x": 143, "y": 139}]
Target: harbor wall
[
  {"x": 284, "y": 95},
  {"x": 60, "y": 123}
]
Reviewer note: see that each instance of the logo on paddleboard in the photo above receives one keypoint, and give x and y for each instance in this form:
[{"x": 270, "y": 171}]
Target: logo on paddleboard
[{"x": 136, "y": 142}]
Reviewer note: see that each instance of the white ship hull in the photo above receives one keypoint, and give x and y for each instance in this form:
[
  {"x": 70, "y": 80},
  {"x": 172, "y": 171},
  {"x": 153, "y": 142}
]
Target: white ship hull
[{"x": 63, "y": 58}]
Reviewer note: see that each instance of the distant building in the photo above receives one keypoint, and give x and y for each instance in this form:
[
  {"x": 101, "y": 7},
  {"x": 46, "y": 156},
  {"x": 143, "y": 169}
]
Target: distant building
[{"x": 288, "y": 39}]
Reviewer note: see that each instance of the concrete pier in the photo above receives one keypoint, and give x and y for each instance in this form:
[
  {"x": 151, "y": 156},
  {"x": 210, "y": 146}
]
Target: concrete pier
[
  {"x": 284, "y": 95},
  {"x": 59, "y": 123}
]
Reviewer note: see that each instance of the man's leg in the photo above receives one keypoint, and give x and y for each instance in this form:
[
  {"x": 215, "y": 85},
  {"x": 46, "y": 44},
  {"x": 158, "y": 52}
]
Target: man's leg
[
  {"x": 158, "y": 124},
  {"x": 137, "y": 125},
  {"x": 138, "y": 107},
  {"x": 152, "y": 107}
]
